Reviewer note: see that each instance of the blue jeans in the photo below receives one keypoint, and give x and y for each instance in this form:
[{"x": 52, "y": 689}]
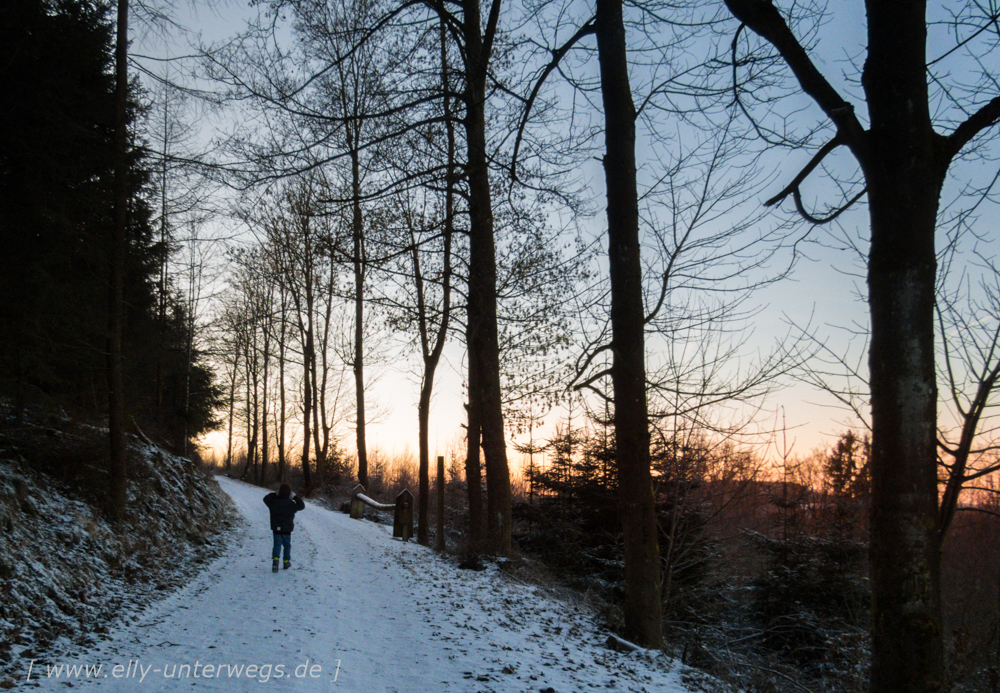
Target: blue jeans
[{"x": 279, "y": 541}]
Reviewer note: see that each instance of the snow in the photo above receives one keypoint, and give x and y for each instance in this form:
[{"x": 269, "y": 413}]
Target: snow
[
  {"x": 358, "y": 611},
  {"x": 67, "y": 573}
]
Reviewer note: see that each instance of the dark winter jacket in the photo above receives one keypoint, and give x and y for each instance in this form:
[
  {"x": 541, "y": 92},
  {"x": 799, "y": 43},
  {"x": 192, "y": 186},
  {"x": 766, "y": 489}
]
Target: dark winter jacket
[{"x": 283, "y": 511}]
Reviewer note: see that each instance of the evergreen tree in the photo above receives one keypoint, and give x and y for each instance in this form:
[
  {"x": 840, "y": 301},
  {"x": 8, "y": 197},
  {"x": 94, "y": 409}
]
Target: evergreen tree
[
  {"x": 55, "y": 177},
  {"x": 56, "y": 204}
]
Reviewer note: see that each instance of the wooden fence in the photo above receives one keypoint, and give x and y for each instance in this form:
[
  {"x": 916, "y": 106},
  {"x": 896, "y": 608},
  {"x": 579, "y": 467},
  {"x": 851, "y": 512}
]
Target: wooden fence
[{"x": 402, "y": 524}]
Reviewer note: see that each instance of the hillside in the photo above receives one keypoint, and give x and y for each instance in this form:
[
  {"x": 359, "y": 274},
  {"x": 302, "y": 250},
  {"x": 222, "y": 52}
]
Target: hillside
[{"x": 70, "y": 576}]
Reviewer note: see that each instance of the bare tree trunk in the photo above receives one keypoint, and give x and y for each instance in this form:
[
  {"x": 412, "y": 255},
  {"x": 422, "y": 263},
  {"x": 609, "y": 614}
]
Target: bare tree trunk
[
  {"x": 116, "y": 304},
  {"x": 904, "y": 175},
  {"x": 188, "y": 358},
  {"x": 306, "y": 408},
  {"x": 432, "y": 352},
  {"x": 317, "y": 409},
  {"x": 309, "y": 354},
  {"x": 250, "y": 414},
  {"x": 905, "y": 161},
  {"x": 322, "y": 415},
  {"x": 192, "y": 302},
  {"x": 265, "y": 367},
  {"x": 253, "y": 410},
  {"x": 484, "y": 345},
  {"x": 431, "y": 357},
  {"x": 423, "y": 418},
  {"x": 232, "y": 408},
  {"x": 281, "y": 389},
  {"x": 357, "y": 234},
  {"x": 473, "y": 468},
  {"x": 643, "y": 617},
  {"x": 164, "y": 236}
]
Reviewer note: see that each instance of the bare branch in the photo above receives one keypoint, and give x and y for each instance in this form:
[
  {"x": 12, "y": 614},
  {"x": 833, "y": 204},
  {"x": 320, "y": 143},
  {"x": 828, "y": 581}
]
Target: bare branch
[
  {"x": 764, "y": 19},
  {"x": 983, "y": 119},
  {"x": 557, "y": 56}
]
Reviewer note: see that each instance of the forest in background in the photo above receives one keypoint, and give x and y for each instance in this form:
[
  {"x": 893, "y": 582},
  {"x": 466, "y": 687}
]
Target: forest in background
[{"x": 410, "y": 177}]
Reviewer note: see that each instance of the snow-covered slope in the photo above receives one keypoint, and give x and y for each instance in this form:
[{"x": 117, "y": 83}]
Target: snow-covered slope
[
  {"x": 68, "y": 574},
  {"x": 359, "y": 611}
]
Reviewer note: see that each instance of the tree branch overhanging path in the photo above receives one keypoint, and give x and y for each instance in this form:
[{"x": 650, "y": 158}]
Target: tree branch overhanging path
[{"x": 904, "y": 162}]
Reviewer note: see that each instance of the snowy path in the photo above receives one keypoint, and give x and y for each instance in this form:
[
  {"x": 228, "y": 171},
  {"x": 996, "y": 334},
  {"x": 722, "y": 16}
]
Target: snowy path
[{"x": 359, "y": 611}]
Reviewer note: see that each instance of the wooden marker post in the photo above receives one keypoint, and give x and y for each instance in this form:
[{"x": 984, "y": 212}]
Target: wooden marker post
[
  {"x": 439, "y": 544},
  {"x": 357, "y": 506},
  {"x": 402, "y": 525}
]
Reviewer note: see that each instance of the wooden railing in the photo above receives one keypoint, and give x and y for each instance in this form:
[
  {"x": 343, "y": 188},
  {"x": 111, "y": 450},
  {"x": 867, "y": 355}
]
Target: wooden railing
[{"x": 402, "y": 523}]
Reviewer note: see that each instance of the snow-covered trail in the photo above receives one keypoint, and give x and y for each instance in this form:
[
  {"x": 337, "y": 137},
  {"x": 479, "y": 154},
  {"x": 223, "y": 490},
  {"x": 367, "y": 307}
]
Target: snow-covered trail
[{"x": 358, "y": 611}]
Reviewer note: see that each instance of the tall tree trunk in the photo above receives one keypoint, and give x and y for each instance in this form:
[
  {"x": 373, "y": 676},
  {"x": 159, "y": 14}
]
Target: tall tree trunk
[
  {"x": 318, "y": 410},
  {"x": 905, "y": 162},
  {"x": 309, "y": 350},
  {"x": 431, "y": 357},
  {"x": 188, "y": 363},
  {"x": 116, "y": 279},
  {"x": 904, "y": 177},
  {"x": 643, "y": 618},
  {"x": 431, "y": 352},
  {"x": 164, "y": 235},
  {"x": 281, "y": 389},
  {"x": 357, "y": 234},
  {"x": 473, "y": 466},
  {"x": 232, "y": 409},
  {"x": 248, "y": 467},
  {"x": 423, "y": 419},
  {"x": 189, "y": 349},
  {"x": 254, "y": 414},
  {"x": 484, "y": 346},
  {"x": 263, "y": 413},
  {"x": 306, "y": 408}
]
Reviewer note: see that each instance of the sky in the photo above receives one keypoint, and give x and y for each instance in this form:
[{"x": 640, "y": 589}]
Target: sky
[{"x": 824, "y": 290}]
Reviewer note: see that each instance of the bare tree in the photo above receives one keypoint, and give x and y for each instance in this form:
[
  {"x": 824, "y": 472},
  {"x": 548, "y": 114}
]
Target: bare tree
[
  {"x": 476, "y": 42},
  {"x": 969, "y": 339},
  {"x": 229, "y": 351},
  {"x": 628, "y": 367},
  {"x": 694, "y": 258},
  {"x": 904, "y": 162},
  {"x": 333, "y": 33},
  {"x": 432, "y": 313}
]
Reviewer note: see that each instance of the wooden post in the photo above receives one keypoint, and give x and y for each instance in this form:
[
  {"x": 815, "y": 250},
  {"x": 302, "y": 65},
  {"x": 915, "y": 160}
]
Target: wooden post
[
  {"x": 402, "y": 525},
  {"x": 357, "y": 507},
  {"x": 439, "y": 543}
]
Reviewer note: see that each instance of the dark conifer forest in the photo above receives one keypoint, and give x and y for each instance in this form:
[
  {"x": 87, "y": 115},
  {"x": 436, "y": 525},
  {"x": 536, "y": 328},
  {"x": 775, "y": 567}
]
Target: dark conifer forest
[{"x": 56, "y": 178}]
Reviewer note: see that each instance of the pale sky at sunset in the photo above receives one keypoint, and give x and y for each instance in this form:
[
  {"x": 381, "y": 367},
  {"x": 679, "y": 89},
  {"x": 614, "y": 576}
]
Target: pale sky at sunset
[{"x": 823, "y": 288}]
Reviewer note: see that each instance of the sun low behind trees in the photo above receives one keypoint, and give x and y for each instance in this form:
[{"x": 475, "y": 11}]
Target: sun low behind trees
[
  {"x": 418, "y": 188},
  {"x": 450, "y": 110}
]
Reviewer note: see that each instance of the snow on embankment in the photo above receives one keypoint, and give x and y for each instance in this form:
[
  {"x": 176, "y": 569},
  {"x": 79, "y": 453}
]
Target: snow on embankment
[{"x": 66, "y": 572}]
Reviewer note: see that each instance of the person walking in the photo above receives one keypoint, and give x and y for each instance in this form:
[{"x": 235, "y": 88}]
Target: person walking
[{"x": 283, "y": 509}]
